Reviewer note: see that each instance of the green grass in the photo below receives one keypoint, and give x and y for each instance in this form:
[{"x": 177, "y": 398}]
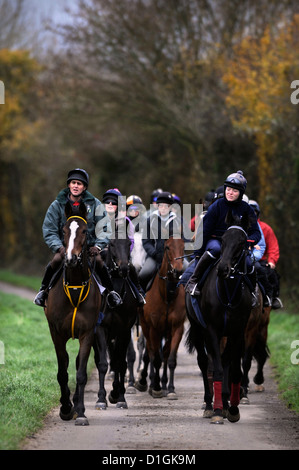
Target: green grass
[
  {"x": 28, "y": 385},
  {"x": 283, "y": 330},
  {"x": 20, "y": 280}
]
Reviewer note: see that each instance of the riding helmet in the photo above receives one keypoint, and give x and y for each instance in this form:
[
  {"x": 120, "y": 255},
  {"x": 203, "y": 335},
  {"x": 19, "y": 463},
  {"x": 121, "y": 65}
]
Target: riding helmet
[
  {"x": 237, "y": 181},
  {"x": 255, "y": 206},
  {"x": 134, "y": 202},
  {"x": 165, "y": 197},
  {"x": 78, "y": 174}
]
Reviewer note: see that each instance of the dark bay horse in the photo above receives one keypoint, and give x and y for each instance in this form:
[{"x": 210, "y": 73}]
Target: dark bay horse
[
  {"x": 115, "y": 328},
  {"x": 218, "y": 323},
  {"x": 162, "y": 319},
  {"x": 72, "y": 310},
  {"x": 256, "y": 335}
]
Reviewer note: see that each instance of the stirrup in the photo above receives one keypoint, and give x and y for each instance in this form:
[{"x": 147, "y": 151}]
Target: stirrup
[
  {"x": 254, "y": 301},
  {"x": 192, "y": 290},
  {"x": 114, "y": 299}
]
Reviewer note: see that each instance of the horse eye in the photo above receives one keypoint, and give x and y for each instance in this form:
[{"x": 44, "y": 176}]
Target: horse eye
[{"x": 84, "y": 231}]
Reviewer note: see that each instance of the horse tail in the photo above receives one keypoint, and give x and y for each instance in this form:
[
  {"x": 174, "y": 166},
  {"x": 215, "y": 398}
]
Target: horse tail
[{"x": 190, "y": 341}]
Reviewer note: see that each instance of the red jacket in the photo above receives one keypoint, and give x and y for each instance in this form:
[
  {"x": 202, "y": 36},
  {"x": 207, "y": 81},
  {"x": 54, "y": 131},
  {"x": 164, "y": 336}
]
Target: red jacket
[{"x": 272, "y": 248}]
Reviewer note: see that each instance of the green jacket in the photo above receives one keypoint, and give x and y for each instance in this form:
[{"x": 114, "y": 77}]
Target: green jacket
[{"x": 98, "y": 224}]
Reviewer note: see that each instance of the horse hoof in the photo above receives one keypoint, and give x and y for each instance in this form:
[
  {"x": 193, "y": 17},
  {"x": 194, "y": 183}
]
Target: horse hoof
[
  {"x": 82, "y": 421},
  {"x": 208, "y": 414},
  {"x": 139, "y": 386},
  {"x": 101, "y": 405},
  {"x": 233, "y": 414},
  {"x": 259, "y": 388},
  {"x": 244, "y": 401},
  {"x": 171, "y": 396},
  {"x": 216, "y": 419},
  {"x": 122, "y": 405},
  {"x": 157, "y": 393},
  {"x": 131, "y": 390},
  {"x": 68, "y": 416}
]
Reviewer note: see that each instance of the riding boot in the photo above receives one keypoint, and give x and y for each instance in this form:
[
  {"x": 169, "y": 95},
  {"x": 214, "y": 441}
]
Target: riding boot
[
  {"x": 113, "y": 297},
  {"x": 42, "y": 294},
  {"x": 135, "y": 279},
  {"x": 253, "y": 280},
  {"x": 202, "y": 265}
]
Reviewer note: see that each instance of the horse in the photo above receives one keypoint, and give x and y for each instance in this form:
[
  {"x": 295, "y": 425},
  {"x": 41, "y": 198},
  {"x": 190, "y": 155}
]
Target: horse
[
  {"x": 72, "y": 310},
  {"x": 162, "y": 318},
  {"x": 218, "y": 319},
  {"x": 115, "y": 328},
  {"x": 256, "y": 335}
]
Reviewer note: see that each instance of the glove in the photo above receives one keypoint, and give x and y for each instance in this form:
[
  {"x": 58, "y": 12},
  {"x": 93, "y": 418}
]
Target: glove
[
  {"x": 94, "y": 251},
  {"x": 61, "y": 251}
]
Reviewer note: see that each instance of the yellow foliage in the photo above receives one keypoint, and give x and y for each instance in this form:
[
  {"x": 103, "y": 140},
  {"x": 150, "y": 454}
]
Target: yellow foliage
[{"x": 258, "y": 81}]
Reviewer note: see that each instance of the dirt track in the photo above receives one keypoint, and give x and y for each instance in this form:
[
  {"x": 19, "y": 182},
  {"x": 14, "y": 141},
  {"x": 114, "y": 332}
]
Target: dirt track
[{"x": 160, "y": 424}]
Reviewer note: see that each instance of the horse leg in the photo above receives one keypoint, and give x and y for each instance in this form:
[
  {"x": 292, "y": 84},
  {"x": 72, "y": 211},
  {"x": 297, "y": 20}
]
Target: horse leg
[
  {"x": 131, "y": 358},
  {"x": 261, "y": 355},
  {"x": 246, "y": 365},
  {"x": 176, "y": 337},
  {"x": 117, "y": 394},
  {"x": 217, "y": 417},
  {"x": 100, "y": 356},
  {"x": 81, "y": 377},
  {"x": 66, "y": 409},
  {"x": 233, "y": 414},
  {"x": 154, "y": 344},
  {"x": 141, "y": 383}
]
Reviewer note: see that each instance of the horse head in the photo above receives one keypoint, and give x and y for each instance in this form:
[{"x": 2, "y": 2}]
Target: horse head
[
  {"x": 119, "y": 249},
  {"x": 75, "y": 232},
  {"x": 233, "y": 246},
  {"x": 173, "y": 252}
]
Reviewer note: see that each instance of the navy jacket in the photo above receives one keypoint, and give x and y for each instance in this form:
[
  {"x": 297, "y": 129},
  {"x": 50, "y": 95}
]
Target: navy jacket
[{"x": 214, "y": 225}]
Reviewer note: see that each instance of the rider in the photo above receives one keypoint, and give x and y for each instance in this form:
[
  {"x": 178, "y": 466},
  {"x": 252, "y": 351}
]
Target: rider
[
  {"x": 270, "y": 257},
  {"x": 160, "y": 225},
  {"x": 214, "y": 226},
  {"x": 55, "y": 219},
  {"x": 115, "y": 205}
]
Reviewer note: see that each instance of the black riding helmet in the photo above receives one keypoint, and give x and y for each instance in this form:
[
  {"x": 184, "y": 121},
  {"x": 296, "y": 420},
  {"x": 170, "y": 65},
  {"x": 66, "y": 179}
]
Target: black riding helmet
[
  {"x": 236, "y": 181},
  {"x": 78, "y": 174}
]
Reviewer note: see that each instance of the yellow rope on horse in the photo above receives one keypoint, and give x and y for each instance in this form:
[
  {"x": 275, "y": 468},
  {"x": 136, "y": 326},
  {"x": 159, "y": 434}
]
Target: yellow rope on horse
[{"x": 67, "y": 291}]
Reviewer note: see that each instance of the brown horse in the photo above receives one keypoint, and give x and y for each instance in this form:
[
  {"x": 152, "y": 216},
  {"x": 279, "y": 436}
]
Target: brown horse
[
  {"x": 72, "y": 310},
  {"x": 163, "y": 317}
]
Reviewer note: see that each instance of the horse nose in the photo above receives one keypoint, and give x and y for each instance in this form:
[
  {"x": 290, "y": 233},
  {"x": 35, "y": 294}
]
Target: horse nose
[
  {"x": 72, "y": 261},
  {"x": 124, "y": 270},
  {"x": 223, "y": 271}
]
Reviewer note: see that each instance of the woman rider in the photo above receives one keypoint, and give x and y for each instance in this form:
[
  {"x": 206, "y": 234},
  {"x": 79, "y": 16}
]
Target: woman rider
[
  {"x": 97, "y": 237},
  {"x": 214, "y": 226}
]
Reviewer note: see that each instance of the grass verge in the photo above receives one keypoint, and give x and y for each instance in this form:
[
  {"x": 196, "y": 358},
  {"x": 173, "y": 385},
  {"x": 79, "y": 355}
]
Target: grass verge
[
  {"x": 28, "y": 384},
  {"x": 283, "y": 335}
]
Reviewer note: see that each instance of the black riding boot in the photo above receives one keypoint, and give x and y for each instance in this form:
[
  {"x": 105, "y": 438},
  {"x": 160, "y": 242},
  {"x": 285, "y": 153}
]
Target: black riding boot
[
  {"x": 202, "y": 265},
  {"x": 113, "y": 298},
  {"x": 135, "y": 279},
  {"x": 43, "y": 293}
]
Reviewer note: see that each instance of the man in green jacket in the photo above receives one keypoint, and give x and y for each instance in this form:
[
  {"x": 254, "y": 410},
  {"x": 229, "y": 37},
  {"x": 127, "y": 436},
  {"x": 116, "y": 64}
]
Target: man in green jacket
[{"x": 98, "y": 232}]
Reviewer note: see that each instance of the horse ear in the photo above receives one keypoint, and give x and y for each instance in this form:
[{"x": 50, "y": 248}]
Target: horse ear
[
  {"x": 68, "y": 210},
  {"x": 82, "y": 210},
  {"x": 246, "y": 221}
]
